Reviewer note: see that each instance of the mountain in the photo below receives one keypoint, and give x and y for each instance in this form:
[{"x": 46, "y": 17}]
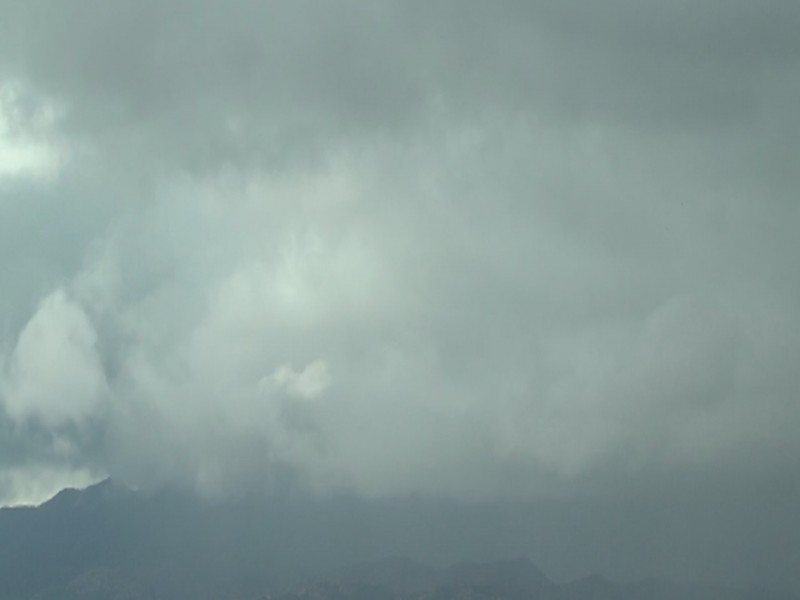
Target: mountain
[
  {"x": 403, "y": 576},
  {"x": 397, "y": 574},
  {"x": 516, "y": 579},
  {"x": 512, "y": 576},
  {"x": 107, "y": 542}
]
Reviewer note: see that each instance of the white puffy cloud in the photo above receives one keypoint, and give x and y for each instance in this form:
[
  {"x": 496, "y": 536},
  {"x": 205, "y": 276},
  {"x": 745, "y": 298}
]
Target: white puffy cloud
[
  {"x": 308, "y": 383},
  {"x": 54, "y": 374}
]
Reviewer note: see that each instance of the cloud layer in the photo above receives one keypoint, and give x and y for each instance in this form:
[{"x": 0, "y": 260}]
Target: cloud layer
[{"x": 460, "y": 249}]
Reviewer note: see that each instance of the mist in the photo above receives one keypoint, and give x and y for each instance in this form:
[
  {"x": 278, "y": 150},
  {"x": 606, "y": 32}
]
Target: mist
[{"x": 530, "y": 259}]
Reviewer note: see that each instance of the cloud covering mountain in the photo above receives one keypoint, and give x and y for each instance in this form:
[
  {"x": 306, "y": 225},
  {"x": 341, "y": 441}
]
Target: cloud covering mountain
[{"x": 506, "y": 252}]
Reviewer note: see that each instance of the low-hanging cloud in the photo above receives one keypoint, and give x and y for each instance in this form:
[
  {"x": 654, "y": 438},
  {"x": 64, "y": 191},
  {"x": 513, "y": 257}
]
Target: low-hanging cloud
[
  {"x": 465, "y": 250},
  {"x": 54, "y": 374}
]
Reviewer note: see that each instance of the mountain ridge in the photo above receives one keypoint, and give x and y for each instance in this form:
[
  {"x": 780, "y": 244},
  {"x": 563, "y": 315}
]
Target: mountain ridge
[{"x": 108, "y": 542}]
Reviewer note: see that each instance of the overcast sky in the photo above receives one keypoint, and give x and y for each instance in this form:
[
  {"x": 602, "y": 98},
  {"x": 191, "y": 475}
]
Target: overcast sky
[{"x": 480, "y": 251}]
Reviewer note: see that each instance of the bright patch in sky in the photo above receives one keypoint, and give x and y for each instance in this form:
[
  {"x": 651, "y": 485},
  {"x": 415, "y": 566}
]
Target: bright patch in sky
[{"x": 24, "y": 147}]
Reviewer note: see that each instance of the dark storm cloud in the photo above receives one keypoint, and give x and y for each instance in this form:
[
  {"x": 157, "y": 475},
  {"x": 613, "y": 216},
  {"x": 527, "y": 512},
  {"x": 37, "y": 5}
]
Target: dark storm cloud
[
  {"x": 517, "y": 251},
  {"x": 354, "y": 65}
]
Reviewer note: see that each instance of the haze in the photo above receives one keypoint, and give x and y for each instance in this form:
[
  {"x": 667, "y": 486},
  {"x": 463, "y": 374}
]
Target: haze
[{"x": 534, "y": 257}]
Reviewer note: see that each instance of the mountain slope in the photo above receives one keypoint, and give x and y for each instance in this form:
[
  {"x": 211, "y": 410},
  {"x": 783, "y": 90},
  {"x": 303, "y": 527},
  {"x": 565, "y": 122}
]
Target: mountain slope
[{"x": 109, "y": 543}]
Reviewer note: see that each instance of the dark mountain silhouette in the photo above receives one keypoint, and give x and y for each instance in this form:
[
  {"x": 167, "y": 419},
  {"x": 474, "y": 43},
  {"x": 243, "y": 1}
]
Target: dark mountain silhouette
[
  {"x": 109, "y": 543},
  {"x": 397, "y": 574},
  {"x": 517, "y": 575},
  {"x": 518, "y": 579},
  {"x": 405, "y": 576}
]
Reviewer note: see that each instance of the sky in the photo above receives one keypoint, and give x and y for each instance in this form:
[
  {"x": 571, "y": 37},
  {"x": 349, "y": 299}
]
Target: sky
[{"x": 483, "y": 252}]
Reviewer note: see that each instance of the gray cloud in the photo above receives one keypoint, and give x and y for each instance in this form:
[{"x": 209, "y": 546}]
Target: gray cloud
[{"x": 508, "y": 252}]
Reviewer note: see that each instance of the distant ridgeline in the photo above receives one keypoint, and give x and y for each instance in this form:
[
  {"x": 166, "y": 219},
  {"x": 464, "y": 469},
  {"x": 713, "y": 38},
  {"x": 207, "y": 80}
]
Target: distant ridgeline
[{"x": 109, "y": 543}]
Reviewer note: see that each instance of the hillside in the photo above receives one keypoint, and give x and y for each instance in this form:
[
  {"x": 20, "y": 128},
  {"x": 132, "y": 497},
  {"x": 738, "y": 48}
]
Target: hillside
[{"x": 109, "y": 543}]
